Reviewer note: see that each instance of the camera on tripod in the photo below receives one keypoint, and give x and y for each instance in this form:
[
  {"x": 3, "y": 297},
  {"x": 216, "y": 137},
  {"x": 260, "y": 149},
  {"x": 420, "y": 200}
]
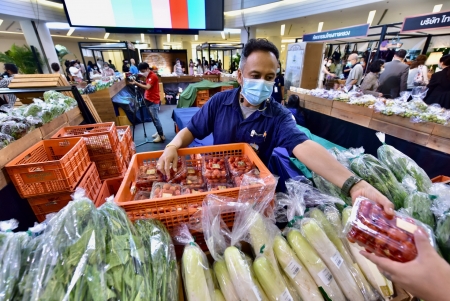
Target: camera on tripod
[{"x": 130, "y": 77}]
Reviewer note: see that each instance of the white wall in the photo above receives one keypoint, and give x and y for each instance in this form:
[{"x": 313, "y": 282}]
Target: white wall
[{"x": 6, "y": 43}]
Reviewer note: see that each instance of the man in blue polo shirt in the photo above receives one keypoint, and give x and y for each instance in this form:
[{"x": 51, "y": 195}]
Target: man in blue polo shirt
[{"x": 249, "y": 114}]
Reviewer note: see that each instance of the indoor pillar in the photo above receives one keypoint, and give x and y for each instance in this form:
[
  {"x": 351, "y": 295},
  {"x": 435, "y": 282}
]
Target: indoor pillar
[
  {"x": 38, "y": 35},
  {"x": 248, "y": 33}
]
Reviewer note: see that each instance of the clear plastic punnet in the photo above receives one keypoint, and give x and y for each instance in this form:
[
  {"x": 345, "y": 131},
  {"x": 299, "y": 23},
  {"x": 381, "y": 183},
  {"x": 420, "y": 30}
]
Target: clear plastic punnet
[
  {"x": 441, "y": 210},
  {"x": 392, "y": 237},
  {"x": 215, "y": 170},
  {"x": 239, "y": 165},
  {"x": 165, "y": 190},
  {"x": 402, "y": 165}
]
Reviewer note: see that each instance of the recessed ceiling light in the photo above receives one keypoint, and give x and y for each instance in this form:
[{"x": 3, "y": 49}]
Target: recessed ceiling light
[
  {"x": 437, "y": 8},
  {"x": 223, "y": 35},
  {"x": 282, "y": 29},
  {"x": 57, "y": 25},
  {"x": 1, "y": 21},
  {"x": 196, "y": 37},
  {"x": 319, "y": 28},
  {"x": 168, "y": 38},
  {"x": 106, "y": 35},
  {"x": 70, "y": 32},
  {"x": 371, "y": 16}
]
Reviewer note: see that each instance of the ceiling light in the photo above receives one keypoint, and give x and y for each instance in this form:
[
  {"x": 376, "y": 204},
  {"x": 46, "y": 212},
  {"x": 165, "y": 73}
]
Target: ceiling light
[
  {"x": 232, "y": 30},
  {"x": 1, "y": 21},
  {"x": 71, "y": 30},
  {"x": 142, "y": 37},
  {"x": 282, "y": 29},
  {"x": 196, "y": 37},
  {"x": 437, "y": 8},
  {"x": 371, "y": 16},
  {"x": 57, "y": 25},
  {"x": 223, "y": 34},
  {"x": 288, "y": 41},
  {"x": 319, "y": 28},
  {"x": 260, "y": 8},
  {"x": 50, "y": 3},
  {"x": 106, "y": 35},
  {"x": 168, "y": 38}
]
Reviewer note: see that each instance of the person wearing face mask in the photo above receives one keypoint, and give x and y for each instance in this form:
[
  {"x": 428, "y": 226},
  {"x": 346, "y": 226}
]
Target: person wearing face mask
[
  {"x": 370, "y": 82},
  {"x": 249, "y": 114},
  {"x": 5, "y": 80},
  {"x": 133, "y": 69},
  {"x": 106, "y": 70},
  {"x": 346, "y": 68},
  {"x": 177, "y": 68},
  {"x": 75, "y": 71},
  {"x": 439, "y": 85},
  {"x": 278, "y": 87},
  {"x": 325, "y": 72},
  {"x": 151, "y": 96},
  {"x": 356, "y": 72}
]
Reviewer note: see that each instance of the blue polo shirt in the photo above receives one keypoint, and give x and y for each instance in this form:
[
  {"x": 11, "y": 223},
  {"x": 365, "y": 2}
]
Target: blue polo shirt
[{"x": 264, "y": 130}]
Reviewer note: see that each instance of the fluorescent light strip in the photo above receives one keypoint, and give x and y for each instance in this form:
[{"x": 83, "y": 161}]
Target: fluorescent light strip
[
  {"x": 437, "y": 8},
  {"x": 196, "y": 37},
  {"x": 168, "y": 38},
  {"x": 282, "y": 29},
  {"x": 49, "y": 3},
  {"x": 70, "y": 32},
  {"x": 142, "y": 37},
  {"x": 223, "y": 34},
  {"x": 106, "y": 35},
  {"x": 1, "y": 21},
  {"x": 66, "y": 37},
  {"x": 371, "y": 16},
  {"x": 319, "y": 28},
  {"x": 288, "y": 41},
  {"x": 260, "y": 8}
]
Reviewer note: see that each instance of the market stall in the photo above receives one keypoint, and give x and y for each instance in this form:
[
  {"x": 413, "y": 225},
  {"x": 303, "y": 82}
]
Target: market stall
[{"x": 222, "y": 51}]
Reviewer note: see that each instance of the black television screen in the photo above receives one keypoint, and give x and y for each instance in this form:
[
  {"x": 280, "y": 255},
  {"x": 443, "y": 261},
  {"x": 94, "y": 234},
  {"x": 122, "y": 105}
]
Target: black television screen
[{"x": 145, "y": 14}]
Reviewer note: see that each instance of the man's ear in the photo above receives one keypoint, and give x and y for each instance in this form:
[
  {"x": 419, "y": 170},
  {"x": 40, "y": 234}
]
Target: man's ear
[{"x": 239, "y": 77}]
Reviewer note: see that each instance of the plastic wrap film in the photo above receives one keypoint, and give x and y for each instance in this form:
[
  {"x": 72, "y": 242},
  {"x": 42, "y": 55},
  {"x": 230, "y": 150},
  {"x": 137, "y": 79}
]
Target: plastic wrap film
[
  {"x": 391, "y": 237},
  {"x": 69, "y": 261},
  {"x": 418, "y": 204},
  {"x": 402, "y": 165},
  {"x": 441, "y": 210},
  {"x": 379, "y": 176},
  {"x": 161, "y": 262},
  {"x": 195, "y": 268}
]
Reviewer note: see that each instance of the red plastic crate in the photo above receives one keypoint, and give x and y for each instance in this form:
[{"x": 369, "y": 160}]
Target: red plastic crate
[
  {"x": 49, "y": 166},
  {"x": 127, "y": 146},
  {"x": 101, "y": 138},
  {"x": 43, "y": 205},
  {"x": 181, "y": 209},
  {"x": 109, "y": 188},
  {"x": 110, "y": 166}
]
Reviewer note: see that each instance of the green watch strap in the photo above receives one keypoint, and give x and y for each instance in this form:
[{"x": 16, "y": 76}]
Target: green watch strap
[{"x": 349, "y": 183}]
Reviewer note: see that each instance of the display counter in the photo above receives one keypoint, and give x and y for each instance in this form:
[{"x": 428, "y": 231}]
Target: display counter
[
  {"x": 426, "y": 143},
  {"x": 188, "y": 78},
  {"x": 102, "y": 101}
]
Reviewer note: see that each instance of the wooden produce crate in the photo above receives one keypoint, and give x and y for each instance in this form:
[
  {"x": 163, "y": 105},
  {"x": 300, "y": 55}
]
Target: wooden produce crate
[
  {"x": 180, "y": 209},
  {"x": 109, "y": 188},
  {"x": 49, "y": 166},
  {"x": 45, "y": 204},
  {"x": 126, "y": 143},
  {"x": 101, "y": 138}
]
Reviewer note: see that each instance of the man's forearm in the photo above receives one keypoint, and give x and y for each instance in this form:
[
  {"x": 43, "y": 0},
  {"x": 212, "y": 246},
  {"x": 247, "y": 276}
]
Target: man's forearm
[
  {"x": 183, "y": 138},
  {"x": 316, "y": 158}
]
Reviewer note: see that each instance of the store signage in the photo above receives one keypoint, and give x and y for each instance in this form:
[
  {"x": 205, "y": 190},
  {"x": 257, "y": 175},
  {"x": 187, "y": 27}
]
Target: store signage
[
  {"x": 338, "y": 34},
  {"x": 429, "y": 21}
]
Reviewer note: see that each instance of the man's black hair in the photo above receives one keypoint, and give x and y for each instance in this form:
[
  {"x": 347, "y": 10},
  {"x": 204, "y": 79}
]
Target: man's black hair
[
  {"x": 401, "y": 53},
  {"x": 11, "y": 67},
  {"x": 257, "y": 45},
  {"x": 55, "y": 67},
  {"x": 375, "y": 67},
  {"x": 143, "y": 66}
]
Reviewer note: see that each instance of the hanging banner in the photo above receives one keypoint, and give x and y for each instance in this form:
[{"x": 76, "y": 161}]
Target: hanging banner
[
  {"x": 294, "y": 65},
  {"x": 338, "y": 34},
  {"x": 429, "y": 21}
]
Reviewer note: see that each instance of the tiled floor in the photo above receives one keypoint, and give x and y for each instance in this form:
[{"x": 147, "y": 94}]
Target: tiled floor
[{"x": 165, "y": 115}]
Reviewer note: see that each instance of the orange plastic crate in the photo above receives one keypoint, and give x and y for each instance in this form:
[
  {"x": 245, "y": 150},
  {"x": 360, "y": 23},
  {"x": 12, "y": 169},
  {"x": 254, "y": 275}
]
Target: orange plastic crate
[
  {"x": 441, "y": 179},
  {"x": 49, "y": 166},
  {"x": 101, "y": 138},
  {"x": 43, "y": 205},
  {"x": 110, "y": 166},
  {"x": 126, "y": 143},
  {"x": 180, "y": 209},
  {"x": 109, "y": 188}
]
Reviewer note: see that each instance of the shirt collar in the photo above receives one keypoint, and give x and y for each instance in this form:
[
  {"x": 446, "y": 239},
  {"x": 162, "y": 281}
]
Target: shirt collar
[{"x": 234, "y": 101}]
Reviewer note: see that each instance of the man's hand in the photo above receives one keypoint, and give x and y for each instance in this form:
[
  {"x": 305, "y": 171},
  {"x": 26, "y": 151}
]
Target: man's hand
[
  {"x": 364, "y": 189},
  {"x": 426, "y": 277},
  {"x": 380, "y": 94},
  {"x": 168, "y": 159},
  {"x": 132, "y": 82}
]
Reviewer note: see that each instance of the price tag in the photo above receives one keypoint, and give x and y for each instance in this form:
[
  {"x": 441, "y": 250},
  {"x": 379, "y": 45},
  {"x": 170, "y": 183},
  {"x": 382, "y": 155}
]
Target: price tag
[
  {"x": 337, "y": 259},
  {"x": 166, "y": 195},
  {"x": 222, "y": 187},
  {"x": 241, "y": 163},
  {"x": 325, "y": 276},
  {"x": 407, "y": 226},
  {"x": 191, "y": 170},
  {"x": 151, "y": 171},
  {"x": 292, "y": 269},
  {"x": 216, "y": 166},
  {"x": 285, "y": 296}
]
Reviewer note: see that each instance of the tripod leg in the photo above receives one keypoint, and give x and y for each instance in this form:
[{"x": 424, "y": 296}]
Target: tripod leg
[{"x": 143, "y": 121}]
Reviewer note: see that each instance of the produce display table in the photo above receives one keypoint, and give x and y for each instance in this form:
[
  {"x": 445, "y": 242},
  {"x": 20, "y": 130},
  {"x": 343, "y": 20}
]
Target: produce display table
[
  {"x": 187, "y": 98},
  {"x": 181, "y": 117},
  {"x": 102, "y": 101}
]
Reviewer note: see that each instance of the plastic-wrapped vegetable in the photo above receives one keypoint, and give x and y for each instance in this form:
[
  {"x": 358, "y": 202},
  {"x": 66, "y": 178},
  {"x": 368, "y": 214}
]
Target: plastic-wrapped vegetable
[
  {"x": 126, "y": 269},
  {"x": 32, "y": 110},
  {"x": 402, "y": 165},
  {"x": 5, "y": 139},
  {"x": 68, "y": 263},
  {"x": 418, "y": 204},
  {"x": 329, "y": 188},
  {"x": 14, "y": 129},
  {"x": 441, "y": 209},
  {"x": 162, "y": 264},
  {"x": 194, "y": 268},
  {"x": 379, "y": 176}
]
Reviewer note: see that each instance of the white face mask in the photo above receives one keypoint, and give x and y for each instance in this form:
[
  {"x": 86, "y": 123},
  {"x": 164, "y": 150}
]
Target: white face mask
[
  {"x": 382, "y": 70},
  {"x": 328, "y": 64}
]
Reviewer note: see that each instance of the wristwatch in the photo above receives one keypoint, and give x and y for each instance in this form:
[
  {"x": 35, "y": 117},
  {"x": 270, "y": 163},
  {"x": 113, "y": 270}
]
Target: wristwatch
[{"x": 349, "y": 183}]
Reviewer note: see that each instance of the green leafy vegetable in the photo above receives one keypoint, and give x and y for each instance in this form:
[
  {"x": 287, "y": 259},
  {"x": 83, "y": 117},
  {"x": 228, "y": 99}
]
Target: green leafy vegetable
[{"x": 418, "y": 204}]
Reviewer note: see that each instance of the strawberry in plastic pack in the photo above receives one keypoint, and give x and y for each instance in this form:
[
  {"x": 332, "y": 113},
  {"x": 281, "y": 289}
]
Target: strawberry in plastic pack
[
  {"x": 188, "y": 190},
  {"x": 387, "y": 236},
  {"x": 148, "y": 173},
  {"x": 165, "y": 190},
  {"x": 177, "y": 176},
  {"x": 214, "y": 170},
  {"x": 218, "y": 186},
  {"x": 193, "y": 177},
  {"x": 239, "y": 165}
]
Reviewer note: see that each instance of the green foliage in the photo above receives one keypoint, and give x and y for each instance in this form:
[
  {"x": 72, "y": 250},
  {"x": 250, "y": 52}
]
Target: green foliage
[
  {"x": 61, "y": 51},
  {"x": 22, "y": 57}
]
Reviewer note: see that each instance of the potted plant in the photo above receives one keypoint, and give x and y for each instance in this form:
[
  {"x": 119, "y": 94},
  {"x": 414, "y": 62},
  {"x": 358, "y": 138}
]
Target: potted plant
[{"x": 22, "y": 57}]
